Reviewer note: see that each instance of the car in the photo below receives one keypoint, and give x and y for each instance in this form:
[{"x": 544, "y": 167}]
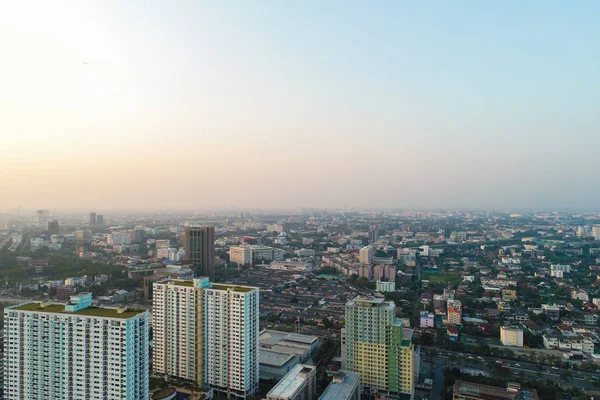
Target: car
[
  {"x": 470, "y": 357},
  {"x": 498, "y": 361},
  {"x": 517, "y": 365},
  {"x": 554, "y": 368}
]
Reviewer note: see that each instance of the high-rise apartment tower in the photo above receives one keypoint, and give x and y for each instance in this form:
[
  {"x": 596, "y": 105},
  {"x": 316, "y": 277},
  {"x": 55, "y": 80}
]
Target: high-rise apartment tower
[
  {"x": 75, "y": 351},
  {"x": 207, "y": 333},
  {"x": 199, "y": 250},
  {"x": 379, "y": 348}
]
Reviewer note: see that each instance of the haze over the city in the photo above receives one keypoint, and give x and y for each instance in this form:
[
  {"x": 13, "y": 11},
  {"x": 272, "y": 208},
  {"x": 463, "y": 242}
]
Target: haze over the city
[{"x": 161, "y": 105}]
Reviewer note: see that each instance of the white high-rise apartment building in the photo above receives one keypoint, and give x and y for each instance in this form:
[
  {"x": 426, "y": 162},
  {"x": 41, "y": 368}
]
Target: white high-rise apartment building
[
  {"x": 75, "y": 351},
  {"x": 207, "y": 333},
  {"x": 366, "y": 255}
]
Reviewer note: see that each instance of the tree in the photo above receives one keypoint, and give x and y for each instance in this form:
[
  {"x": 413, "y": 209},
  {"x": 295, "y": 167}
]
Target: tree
[
  {"x": 326, "y": 323},
  {"x": 426, "y": 339}
]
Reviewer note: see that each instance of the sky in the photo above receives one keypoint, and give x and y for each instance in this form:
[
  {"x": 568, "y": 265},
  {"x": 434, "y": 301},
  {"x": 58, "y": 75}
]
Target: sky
[{"x": 383, "y": 104}]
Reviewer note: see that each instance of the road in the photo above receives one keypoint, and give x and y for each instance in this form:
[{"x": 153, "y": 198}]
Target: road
[
  {"x": 14, "y": 300},
  {"x": 441, "y": 358}
]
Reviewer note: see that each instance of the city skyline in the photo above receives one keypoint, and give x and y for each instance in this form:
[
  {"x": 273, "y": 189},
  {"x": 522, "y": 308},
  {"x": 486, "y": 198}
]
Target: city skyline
[{"x": 378, "y": 106}]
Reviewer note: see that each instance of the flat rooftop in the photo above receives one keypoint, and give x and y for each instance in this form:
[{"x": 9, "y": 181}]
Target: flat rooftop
[
  {"x": 90, "y": 311},
  {"x": 236, "y": 288},
  {"x": 185, "y": 283},
  {"x": 341, "y": 387},
  {"x": 367, "y": 301},
  {"x": 291, "y": 382},
  {"x": 273, "y": 338},
  {"x": 274, "y": 358},
  {"x": 493, "y": 392},
  {"x": 305, "y": 339}
]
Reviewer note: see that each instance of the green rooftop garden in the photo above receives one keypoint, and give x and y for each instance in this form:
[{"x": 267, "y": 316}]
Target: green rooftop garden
[
  {"x": 90, "y": 311},
  {"x": 240, "y": 289},
  {"x": 182, "y": 283}
]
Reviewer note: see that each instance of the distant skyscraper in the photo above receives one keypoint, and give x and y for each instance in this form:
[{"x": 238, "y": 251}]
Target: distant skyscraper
[
  {"x": 378, "y": 272},
  {"x": 379, "y": 347},
  {"x": 373, "y": 234},
  {"x": 93, "y": 218},
  {"x": 53, "y": 227},
  {"x": 136, "y": 235},
  {"x": 75, "y": 351},
  {"x": 42, "y": 216},
  {"x": 596, "y": 232},
  {"x": 99, "y": 219},
  {"x": 366, "y": 255},
  {"x": 199, "y": 250},
  {"x": 207, "y": 333}
]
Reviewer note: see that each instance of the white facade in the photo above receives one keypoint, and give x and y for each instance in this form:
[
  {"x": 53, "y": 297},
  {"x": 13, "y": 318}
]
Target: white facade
[
  {"x": 76, "y": 281},
  {"x": 298, "y": 384},
  {"x": 240, "y": 254},
  {"x": 207, "y": 333},
  {"x": 366, "y": 255},
  {"x": 163, "y": 243},
  {"x": 249, "y": 254},
  {"x": 557, "y": 273},
  {"x": 118, "y": 238},
  {"x": 579, "y": 294},
  {"x": 174, "y": 326},
  {"x": 304, "y": 253},
  {"x": 17, "y": 238},
  {"x": 162, "y": 252},
  {"x": 383, "y": 287},
  {"x": 510, "y": 336},
  {"x": 86, "y": 353}
]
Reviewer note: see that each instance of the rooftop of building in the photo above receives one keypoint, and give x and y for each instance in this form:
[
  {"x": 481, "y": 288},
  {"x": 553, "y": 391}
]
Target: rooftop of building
[
  {"x": 90, "y": 311},
  {"x": 235, "y": 288},
  {"x": 273, "y": 337},
  {"x": 292, "y": 381},
  {"x": 178, "y": 282},
  {"x": 274, "y": 358},
  {"x": 369, "y": 301},
  {"x": 510, "y": 392},
  {"x": 341, "y": 386}
]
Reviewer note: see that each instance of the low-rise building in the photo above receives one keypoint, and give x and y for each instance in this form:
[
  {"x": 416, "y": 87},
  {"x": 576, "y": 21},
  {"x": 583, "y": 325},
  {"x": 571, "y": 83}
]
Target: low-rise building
[
  {"x": 298, "y": 384},
  {"x": 383, "y": 287},
  {"x": 76, "y": 281},
  {"x": 579, "y": 294},
  {"x": 567, "y": 341},
  {"x": 499, "y": 283},
  {"x": 281, "y": 351},
  {"x": 454, "y": 312},
  {"x": 305, "y": 253},
  {"x": 474, "y": 391},
  {"x": 511, "y": 336},
  {"x": 426, "y": 320},
  {"x": 344, "y": 386},
  {"x": 509, "y": 294},
  {"x": 250, "y": 254}
]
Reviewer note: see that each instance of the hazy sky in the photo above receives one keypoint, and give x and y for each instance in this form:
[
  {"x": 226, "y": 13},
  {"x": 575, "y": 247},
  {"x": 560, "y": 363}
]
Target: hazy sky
[{"x": 140, "y": 104}]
